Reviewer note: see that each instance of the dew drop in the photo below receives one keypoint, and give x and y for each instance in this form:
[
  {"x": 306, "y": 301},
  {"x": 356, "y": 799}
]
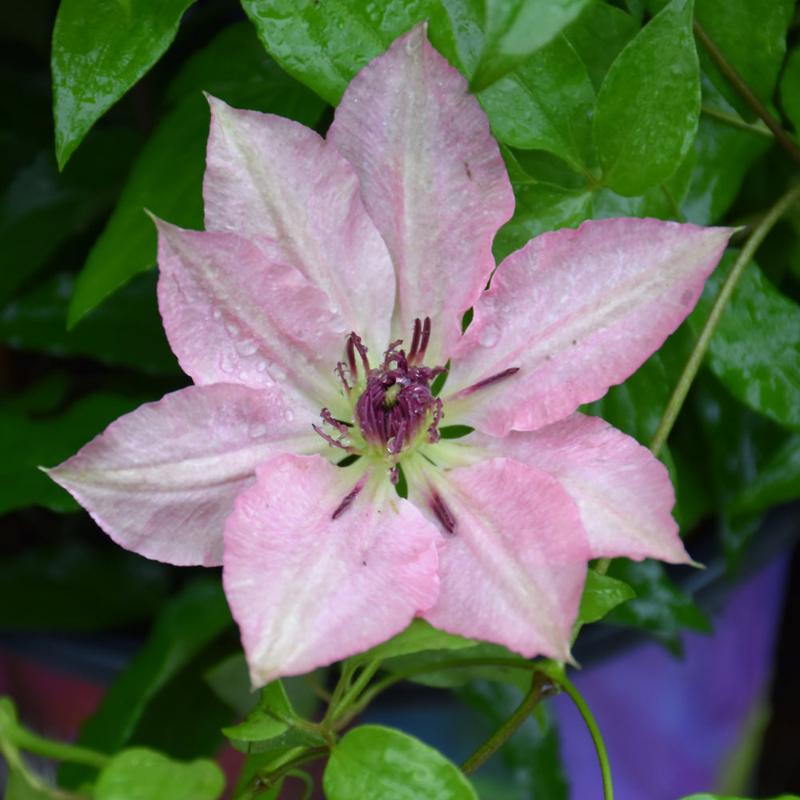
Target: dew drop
[
  {"x": 246, "y": 347},
  {"x": 216, "y": 313},
  {"x": 288, "y": 415},
  {"x": 261, "y": 365},
  {"x": 232, "y": 329},
  {"x": 258, "y": 430},
  {"x": 226, "y": 363},
  {"x": 489, "y": 336}
]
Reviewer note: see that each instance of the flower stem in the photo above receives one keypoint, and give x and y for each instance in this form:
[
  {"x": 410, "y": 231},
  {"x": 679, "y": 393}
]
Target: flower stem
[
  {"x": 695, "y": 359},
  {"x": 594, "y": 732},
  {"x": 58, "y": 751},
  {"x": 738, "y": 83},
  {"x": 352, "y": 694},
  {"x": 538, "y": 690},
  {"x": 735, "y": 122}
]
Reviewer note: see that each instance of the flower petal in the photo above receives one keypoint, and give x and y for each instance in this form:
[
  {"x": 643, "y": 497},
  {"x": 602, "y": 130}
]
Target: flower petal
[
  {"x": 270, "y": 176},
  {"x": 622, "y": 491},
  {"x": 161, "y": 480},
  {"x": 576, "y": 311},
  {"x": 514, "y": 561},
  {"x": 234, "y": 313},
  {"x": 432, "y": 180},
  {"x": 322, "y": 563}
]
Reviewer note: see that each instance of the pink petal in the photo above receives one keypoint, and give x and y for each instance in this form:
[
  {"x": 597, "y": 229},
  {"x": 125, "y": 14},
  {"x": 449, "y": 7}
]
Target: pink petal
[
  {"x": 513, "y": 566},
  {"x": 576, "y": 311},
  {"x": 622, "y": 491},
  {"x": 234, "y": 313},
  {"x": 321, "y": 563},
  {"x": 270, "y": 176},
  {"x": 161, "y": 480},
  {"x": 432, "y": 180}
]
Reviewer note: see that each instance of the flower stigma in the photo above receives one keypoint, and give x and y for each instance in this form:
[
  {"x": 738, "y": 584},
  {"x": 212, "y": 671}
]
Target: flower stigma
[{"x": 393, "y": 407}]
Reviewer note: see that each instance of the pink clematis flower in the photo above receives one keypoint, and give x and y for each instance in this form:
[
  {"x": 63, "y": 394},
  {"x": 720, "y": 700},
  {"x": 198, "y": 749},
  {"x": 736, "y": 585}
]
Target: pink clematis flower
[{"x": 314, "y": 316}]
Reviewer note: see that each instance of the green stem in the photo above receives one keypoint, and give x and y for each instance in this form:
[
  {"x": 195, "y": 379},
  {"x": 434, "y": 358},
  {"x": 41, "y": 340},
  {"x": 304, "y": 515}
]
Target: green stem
[
  {"x": 348, "y": 669},
  {"x": 738, "y": 83},
  {"x": 736, "y": 122},
  {"x": 263, "y": 782},
  {"x": 509, "y": 727},
  {"x": 357, "y": 687},
  {"x": 58, "y": 751},
  {"x": 594, "y": 732},
  {"x": 695, "y": 359}
]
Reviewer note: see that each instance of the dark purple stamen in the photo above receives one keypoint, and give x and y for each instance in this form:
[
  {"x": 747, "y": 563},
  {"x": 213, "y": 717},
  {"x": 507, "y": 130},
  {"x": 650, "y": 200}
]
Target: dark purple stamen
[
  {"x": 443, "y": 513},
  {"x": 397, "y": 397},
  {"x": 348, "y": 500},
  {"x": 492, "y": 379}
]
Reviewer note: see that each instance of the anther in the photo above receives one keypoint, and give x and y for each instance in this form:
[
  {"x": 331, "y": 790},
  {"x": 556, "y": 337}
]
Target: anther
[{"x": 412, "y": 353}]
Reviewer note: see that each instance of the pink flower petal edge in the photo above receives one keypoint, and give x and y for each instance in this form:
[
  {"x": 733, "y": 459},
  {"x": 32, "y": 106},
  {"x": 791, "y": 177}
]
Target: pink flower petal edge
[
  {"x": 234, "y": 313},
  {"x": 576, "y": 311},
  {"x": 623, "y": 492},
  {"x": 321, "y": 563},
  {"x": 162, "y": 479},
  {"x": 270, "y": 176},
  {"x": 432, "y": 180},
  {"x": 513, "y": 561}
]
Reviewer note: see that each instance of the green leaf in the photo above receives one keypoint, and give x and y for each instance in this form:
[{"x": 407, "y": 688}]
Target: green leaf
[
  {"x": 324, "y": 44},
  {"x": 545, "y": 104},
  {"x": 660, "y": 608},
  {"x": 230, "y": 681},
  {"x": 601, "y": 594},
  {"x": 419, "y": 635},
  {"x": 755, "y": 351},
  {"x": 141, "y": 774},
  {"x": 56, "y": 587},
  {"x": 515, "y": 30},
  {"x": 125, "y": 331},
  {"x": 723, "y": 155},
  {"x": 376, "y": 763},
  {"x": 40, "y": 210},
  {"x": 778, "y": 481},
  {"x": 184, "y": 628},
  {"x": 599, "y": 35},
  {"x": 33, "y": 442},
  {"x": 100, "y": 49},
  {"x": 270, "y": 726},
  {"x": 649, "y": 103},
  {"x": 751, "y": 34},
  {"x": 18, "y": 788},
  {"x": 790, "y": 88},
  {"x": 167, "y": 176}
]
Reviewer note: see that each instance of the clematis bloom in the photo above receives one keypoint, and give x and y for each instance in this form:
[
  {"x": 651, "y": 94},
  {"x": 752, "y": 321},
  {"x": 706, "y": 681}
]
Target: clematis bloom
[{"x": 316, "y": 316}]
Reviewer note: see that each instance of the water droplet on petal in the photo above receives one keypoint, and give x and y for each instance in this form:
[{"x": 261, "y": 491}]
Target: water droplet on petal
[
  {"x": 489, "y": 336},
  {"x": 232, "y": 329},
  {"x": 216, "y": 313},
  {"x": 226, "y": 363},
  {"x": 288, "y": 415},
  {"x": 262, "y": 364},
  {"x": 257, "y": 430},
  {"x": 246, "y": 347}
]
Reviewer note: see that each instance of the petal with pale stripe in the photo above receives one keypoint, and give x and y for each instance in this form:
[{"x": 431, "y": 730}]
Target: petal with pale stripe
[
  {"x": 161, "y": 480},
  {"x": 575, "y": 312},
  {"x": 270, "y": 176},
  {"x": 432, "y": 179},
  {"x": 622, "y": 491},
  {"x": 321, "y": 563},
  {"x": 514, "y": 557},
  {"x": 234, "y": 313}
]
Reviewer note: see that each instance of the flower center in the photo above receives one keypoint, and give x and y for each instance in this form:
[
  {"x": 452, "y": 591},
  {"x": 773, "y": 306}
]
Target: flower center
[{"x": 395, "y": 405}]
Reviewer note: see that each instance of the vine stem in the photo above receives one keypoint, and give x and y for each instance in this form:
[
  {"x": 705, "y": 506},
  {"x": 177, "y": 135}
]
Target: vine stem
[
  {"x": 695, "y": 359},
  {"x": 537, "y": 691},
  {"x": 594, "y": 731},
  {"x": 738, "y": 83},
  {"x": 58, "y": 751}
]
